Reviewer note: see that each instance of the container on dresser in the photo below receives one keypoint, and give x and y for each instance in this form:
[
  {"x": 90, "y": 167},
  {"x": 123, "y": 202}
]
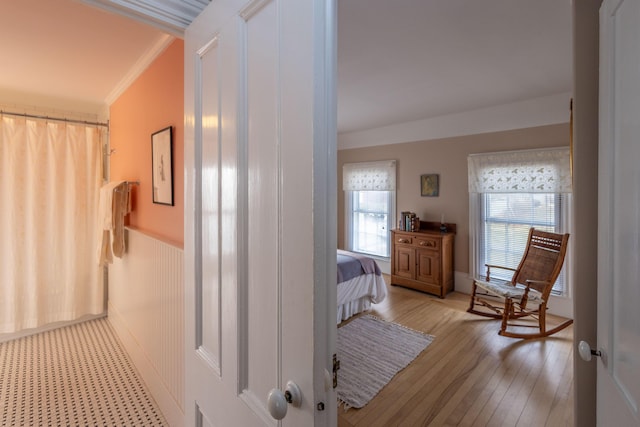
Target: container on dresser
[{"x": 423, "y": 259}]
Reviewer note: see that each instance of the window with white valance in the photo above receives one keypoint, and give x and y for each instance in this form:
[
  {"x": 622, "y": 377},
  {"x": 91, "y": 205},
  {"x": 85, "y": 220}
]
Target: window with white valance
[
  {"x": 369, "y": 176},
  {"x": 527, "y": 171},
  {"x": 510, "y": 192},
  {"x": 370, "y": 206}
]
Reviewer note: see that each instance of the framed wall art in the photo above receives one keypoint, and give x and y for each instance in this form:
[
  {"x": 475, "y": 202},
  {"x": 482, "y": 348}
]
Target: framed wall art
[
  {"x": 162, "y": 166},
  {"x": 429, "y": 185}
]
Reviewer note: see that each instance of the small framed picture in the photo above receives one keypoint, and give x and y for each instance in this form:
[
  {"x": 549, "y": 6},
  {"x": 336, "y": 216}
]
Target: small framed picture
[
  {"x": 162, "y": 164},
  {"x": 429, "y": 185}
]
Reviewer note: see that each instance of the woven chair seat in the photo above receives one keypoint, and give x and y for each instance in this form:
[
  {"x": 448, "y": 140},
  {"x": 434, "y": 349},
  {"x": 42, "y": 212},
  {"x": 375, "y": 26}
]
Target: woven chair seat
[
  {"x": 538, "y": 270},
  {"x": 506, "y": 290}
]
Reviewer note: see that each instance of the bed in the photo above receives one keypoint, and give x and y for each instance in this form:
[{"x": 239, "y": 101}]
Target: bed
[{"x": 360, "y": 283}]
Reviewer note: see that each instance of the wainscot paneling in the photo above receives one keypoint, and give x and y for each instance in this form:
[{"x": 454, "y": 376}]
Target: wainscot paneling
[{"x": 145, "y": 306}]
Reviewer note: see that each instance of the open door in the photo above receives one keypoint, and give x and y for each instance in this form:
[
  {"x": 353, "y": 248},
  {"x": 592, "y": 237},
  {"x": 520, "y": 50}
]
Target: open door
[
  {"x": 618, "y": 394},
  {"x": 260, "y": 213}
]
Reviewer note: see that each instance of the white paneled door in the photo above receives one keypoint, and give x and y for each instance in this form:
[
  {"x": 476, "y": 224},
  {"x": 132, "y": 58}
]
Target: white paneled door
[
  {"x": 618, "y": 394},
  {"x": 260, "y": 213}
]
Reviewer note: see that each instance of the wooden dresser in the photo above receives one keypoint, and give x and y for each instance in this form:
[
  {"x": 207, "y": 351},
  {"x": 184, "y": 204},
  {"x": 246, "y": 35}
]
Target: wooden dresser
[{"x": 423, "y": 260}]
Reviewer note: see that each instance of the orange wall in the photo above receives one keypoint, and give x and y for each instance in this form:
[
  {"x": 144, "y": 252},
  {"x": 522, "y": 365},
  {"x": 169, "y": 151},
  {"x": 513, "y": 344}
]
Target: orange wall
[{"x": 153, "y": 102}]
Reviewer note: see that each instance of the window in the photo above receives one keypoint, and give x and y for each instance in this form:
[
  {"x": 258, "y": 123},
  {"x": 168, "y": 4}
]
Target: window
[
  {"x": 504, "y": 227},
  {"x": 370, "y": 205},
  {"x": 510, "y": 193},
  {"x": 370, "y": 222}
]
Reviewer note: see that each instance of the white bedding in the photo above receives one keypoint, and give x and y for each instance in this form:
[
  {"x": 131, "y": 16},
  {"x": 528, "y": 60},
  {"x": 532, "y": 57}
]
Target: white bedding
[{"x": 357, "y": 295}]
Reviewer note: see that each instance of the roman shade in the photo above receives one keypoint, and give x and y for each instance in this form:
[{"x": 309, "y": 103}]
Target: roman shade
[
  {"x": 526, "y": 171},
  {"x": 369, "y": 176}
]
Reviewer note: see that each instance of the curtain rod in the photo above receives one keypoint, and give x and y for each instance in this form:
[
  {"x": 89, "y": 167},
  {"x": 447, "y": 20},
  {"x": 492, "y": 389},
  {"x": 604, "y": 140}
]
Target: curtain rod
[{"x": 58, "y": 119}]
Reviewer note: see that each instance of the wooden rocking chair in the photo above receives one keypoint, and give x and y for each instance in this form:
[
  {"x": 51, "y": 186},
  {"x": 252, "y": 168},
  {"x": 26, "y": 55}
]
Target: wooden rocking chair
[{"x": 528, "y": 292}]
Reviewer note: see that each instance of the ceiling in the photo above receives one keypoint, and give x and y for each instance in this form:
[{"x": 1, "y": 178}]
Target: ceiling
[
  {"x": 406, "y": 60},
  {"x": 398, "y": 61}
]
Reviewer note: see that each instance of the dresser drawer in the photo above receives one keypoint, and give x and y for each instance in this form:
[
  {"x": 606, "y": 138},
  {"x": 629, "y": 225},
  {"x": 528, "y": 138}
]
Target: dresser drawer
[
  {"x": 403, "y": 239},
  {"x": 427, "y": 242}
]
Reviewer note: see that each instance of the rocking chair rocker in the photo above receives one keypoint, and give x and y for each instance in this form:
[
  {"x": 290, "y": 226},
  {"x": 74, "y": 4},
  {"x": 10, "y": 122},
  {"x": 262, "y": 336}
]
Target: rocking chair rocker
[{"x": 527, "y": 294}]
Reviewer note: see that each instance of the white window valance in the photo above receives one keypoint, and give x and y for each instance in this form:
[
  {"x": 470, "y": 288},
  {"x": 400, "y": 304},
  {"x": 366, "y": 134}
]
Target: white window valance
[
  {"x": 527, "y": 171},
  {"x": 369, "y": 176}
]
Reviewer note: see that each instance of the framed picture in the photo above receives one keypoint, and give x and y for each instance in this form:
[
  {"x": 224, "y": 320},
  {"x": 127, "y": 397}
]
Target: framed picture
[
  {"x": 429, "y": 185},
  {"x": 162, "y": 166}
]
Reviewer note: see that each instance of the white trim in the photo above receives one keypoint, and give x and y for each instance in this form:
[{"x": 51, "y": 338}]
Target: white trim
[
  {"x": 48, "y": 327},
  {"x": 547, "y": 110},
  {"x": 325, "y": 205},
  {"x": 171, "y": 16},
  {"x": 474, "y": 214},
  {"x": 348, "y": 227},
  {"x": 476, "y": 228},
  {"x": 170, "y": 408},
  {"x": 348, "y": 223},
  {"x": 139, "y": 67},
  {"x": 384, "y": 264}
]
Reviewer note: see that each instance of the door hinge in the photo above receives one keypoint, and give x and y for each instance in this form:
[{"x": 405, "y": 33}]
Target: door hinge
[{"x": 336, "y": 366}]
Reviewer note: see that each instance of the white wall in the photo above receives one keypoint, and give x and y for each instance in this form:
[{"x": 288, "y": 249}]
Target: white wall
[
  {"x": 146, "y": 295},
  {"x": 547, "y": 110}
]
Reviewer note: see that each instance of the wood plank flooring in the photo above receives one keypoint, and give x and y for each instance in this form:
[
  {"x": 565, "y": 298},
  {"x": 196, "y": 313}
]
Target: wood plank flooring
[{"x": 469, "y": 375}]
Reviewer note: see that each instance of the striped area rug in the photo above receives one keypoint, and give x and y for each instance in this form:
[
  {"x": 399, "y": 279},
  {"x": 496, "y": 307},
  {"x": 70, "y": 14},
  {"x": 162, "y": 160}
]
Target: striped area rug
[
  {"x": 78, "y": 375},
  {"x": 371, "y": 352}
]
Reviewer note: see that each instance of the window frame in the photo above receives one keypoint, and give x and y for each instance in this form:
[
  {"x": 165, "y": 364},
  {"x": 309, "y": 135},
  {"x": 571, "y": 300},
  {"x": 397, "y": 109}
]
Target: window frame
[
  {"x": 563, "y": 213},
  {"x": 349, "y": 224},
  {"x": 539, "y": 170}
]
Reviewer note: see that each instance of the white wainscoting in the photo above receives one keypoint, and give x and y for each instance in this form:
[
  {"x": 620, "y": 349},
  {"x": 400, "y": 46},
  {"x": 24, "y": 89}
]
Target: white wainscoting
[{"x": 145, "y": 306}]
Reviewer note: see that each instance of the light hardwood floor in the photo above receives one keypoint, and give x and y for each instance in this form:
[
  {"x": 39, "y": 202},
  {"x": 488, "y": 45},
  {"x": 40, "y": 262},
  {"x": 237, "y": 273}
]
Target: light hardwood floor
[{"x": 469, "y": 375}]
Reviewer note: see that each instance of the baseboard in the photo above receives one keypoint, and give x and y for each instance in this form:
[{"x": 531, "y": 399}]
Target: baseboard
[
  {"x": 152, "y": 379},
  {"x": 462, "y": 282},
  {"x": 385, "y": 266},
  {"x": 48, "y": 327}
]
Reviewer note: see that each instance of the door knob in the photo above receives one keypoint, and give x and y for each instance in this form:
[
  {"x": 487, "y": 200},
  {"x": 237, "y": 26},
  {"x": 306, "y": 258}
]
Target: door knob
[
  {"x": 277, "y": 400},
  {"x": 586, "y": 351}
]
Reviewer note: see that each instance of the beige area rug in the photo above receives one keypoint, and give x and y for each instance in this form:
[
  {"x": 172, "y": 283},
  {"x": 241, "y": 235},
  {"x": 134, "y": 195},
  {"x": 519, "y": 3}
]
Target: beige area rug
[{"x": 371, "y": 352}]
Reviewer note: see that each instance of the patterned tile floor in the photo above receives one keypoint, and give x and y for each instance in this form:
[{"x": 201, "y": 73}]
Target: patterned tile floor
[{"x": 78, "y": 375}]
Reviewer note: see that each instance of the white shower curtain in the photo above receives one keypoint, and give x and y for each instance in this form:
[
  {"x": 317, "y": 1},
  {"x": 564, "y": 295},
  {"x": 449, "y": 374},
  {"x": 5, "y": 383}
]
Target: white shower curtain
[{"x": 50, "y": 176}]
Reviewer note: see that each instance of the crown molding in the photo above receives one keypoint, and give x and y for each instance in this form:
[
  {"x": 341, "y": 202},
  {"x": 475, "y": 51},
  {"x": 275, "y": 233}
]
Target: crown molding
[
  {"x": 547, "y": 110},
  {"x": 140, "y": 66},
  {"x": 171, "y": 16}
]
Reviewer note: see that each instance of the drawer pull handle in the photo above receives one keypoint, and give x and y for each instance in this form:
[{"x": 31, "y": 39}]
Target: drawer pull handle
[
  {"x": 423, "y": 243},
  {"x": 403, "y": 241}
]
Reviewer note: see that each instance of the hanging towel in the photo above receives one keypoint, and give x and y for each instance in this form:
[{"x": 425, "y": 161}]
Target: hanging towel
[
  {"x": 121, "y": 208},
  {"x": 108, "y": 220},
  {"x": 105, "y": 209}
]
